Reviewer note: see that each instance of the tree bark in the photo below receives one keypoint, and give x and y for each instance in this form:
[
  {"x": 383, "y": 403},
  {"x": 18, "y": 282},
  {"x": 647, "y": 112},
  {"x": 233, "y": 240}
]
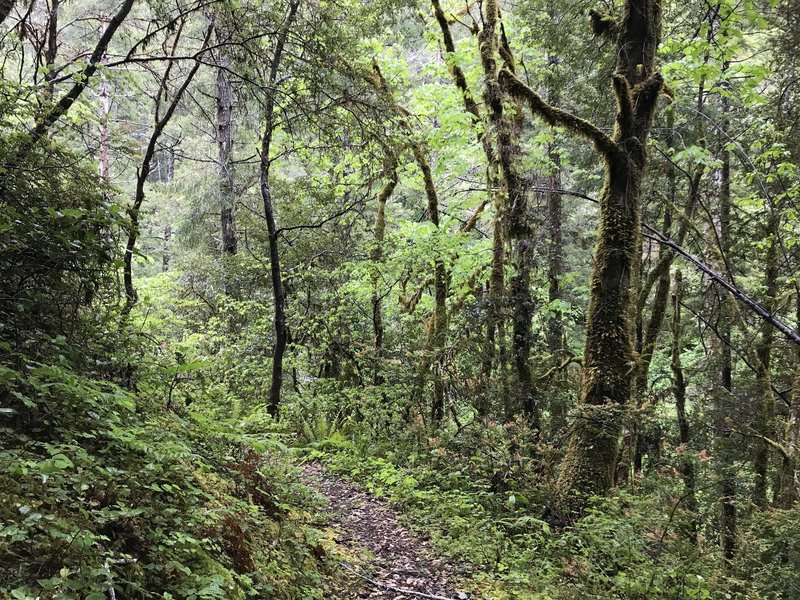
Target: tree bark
[
  {"x": 789, "y": 491},
  {"x": 51, "y": 52},
  {"x": 687, "y": 467},
  {"x": 513, "y": 218},
  {"x": 165, "y": 259},
  {"x": 279, "y": 349},
  {"x": 766, "y": 411},
  {"x": 555, "y": 253},
  {"x": 439, "y": 324},
  {"x": 390, "y": 182},
  {"x": 723, "y": 445}
]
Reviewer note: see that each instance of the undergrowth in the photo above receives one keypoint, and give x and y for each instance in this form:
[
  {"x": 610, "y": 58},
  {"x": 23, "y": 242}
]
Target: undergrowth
[
  {"x": 480, "y": 506},
  {"x": 100, "y": 492}
]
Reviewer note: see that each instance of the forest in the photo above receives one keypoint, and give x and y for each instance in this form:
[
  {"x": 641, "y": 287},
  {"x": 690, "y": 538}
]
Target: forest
[{"x": 399, "y": 299}]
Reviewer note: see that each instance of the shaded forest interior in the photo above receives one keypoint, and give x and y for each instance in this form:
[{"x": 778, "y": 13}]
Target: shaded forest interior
[{"x": 526, "y": 272}]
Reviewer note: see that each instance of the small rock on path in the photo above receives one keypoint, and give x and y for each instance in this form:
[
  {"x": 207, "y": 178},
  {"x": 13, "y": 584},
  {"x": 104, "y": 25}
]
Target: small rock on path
[{"x": 403, "y": 561}]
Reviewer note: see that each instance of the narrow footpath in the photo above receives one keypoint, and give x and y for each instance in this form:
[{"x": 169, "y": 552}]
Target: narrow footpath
[{"x": 401, "y": 565}]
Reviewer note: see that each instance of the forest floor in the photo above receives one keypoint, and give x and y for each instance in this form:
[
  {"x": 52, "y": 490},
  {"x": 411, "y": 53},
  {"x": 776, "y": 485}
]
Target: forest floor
[{"x": 380, "y": 558}]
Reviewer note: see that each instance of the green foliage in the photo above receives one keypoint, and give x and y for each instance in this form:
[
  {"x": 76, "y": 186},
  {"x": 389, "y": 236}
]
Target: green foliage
[
  {"x": 770, "y": 567},
  {"x": 57, "y": 233},
  {"x": 136, "y": 451},
  {"x": 98, "y": 492}
]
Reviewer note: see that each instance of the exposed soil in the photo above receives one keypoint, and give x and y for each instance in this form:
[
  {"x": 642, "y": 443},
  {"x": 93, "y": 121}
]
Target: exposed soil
[{"x": 401, "y": 565}]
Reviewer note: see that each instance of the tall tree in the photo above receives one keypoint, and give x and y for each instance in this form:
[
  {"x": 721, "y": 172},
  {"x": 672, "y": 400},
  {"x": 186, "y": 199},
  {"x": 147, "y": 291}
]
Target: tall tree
[
  {"x": 228, "y": 237},
  {"x": 161, "y": 120},
  {"x": 377, "y": 257},
  {"x": 270, "y": 125},
  {"x": 609, "y": 355}
]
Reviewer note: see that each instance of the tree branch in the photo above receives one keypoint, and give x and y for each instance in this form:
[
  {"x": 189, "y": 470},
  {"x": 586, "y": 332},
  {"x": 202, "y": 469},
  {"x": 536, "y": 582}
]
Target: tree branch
[
  {"x": 556, "y": 116},
  {"x": 455, "y": 70}
]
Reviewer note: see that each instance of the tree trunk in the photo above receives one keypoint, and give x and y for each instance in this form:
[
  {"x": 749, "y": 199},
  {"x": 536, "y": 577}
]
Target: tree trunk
[
  {"x": 51, "y": 51},
  {"x": 679, "y": 390},
  {"x": 228, "y": 236},
  {"x": 279, "y": 349},
  {"x": 439, "y": 323},
  {"x": 789, "y": 491},
  {"x": 723, "y": 445},
  {"x": 609, "y": 356},
  {"x": 281, "y": 331},
  {"x": 525, "y": 390},
  {"x": 105, "y": 110},
  {"x": 390, "y": 176},
  {"x": 504, "y": 129},
  {"x": 766, "y": 410},
  {"x": 495, "y": 332},
  {"x": 167, "y": 248},
  {"x": 556, "y": 343},
  {"x": 105, "y": 143},
  {"x": 494, "y": 296},
  {"x": 555, "y": 254}
]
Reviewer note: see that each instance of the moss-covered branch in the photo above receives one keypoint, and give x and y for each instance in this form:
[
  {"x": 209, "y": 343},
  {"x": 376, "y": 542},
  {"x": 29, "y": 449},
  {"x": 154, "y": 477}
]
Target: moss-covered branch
[
  {"x": 455, "y": 70},
  {"x": 622, "y": 92},
  {"x": 556, "y": 116}
]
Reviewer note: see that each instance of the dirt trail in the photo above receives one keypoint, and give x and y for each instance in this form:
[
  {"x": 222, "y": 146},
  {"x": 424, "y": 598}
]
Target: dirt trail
[{"x": 404, "y": 566}]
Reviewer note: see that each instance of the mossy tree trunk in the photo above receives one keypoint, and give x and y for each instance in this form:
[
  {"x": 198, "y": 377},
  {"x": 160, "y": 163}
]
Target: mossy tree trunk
[
  {"x": 167, "y": 248},
  {"x": 376, "y": 256},
  {"x": 765, "y": 422},
  {"x": 609, "y": 356},
  {"x": 439, "y": 322},
  {"x": 724, "y": 449},
  {"x": 789, "y": 490},
  {"x": 512, "y": 215},
  {"x": 489, "y": 120},
  {"x": 687, "y": 464},
  {"x": 51, "y": 51}
]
